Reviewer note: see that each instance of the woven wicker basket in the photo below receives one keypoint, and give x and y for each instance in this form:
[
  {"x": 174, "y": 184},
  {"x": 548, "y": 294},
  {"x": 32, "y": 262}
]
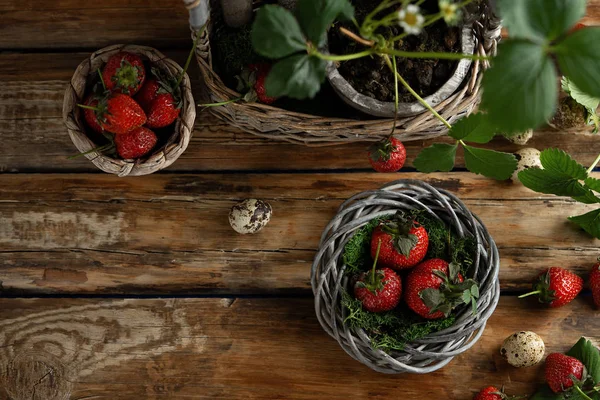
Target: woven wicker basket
[
  {"x": 161, "y": 157},
  {"x": 276, "y": 123},
  {"x": 327, "y": 278}
]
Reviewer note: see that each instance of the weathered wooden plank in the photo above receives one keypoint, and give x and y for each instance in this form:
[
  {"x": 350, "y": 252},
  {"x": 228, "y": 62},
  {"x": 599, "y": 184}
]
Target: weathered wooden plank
[
  {"x": 169, "y": 233},
  {"x": 240, "y": 349}
]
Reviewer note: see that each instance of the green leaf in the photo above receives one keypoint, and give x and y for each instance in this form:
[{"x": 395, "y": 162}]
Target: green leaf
[
  {"x": 299, "y": 77},
  {"x": 589, "y": 222},
  {"x": 315, "y": 16},
  {"x": 475, "y": 291},
  {"x": 276, "y": 33},
  {"x": 578, "y": 56},
  {"x": 475, "y": 128},
  {"x": 589, "y": 102},
  {"x": 437, "y": 157},
  {"x": 540, "y": 19},
  {"x": 544, "y": 181},
  {"x": 466, "y": 296},
  {"x": 588, "y": 354},
  {"x": 520, "y": 89},
  {"x": 545, "y": 393},
  {"x": 490, "y": 163},
  {"x": 588, "y": 198},
  {"x": 593, "y": 183},
  {"x": 559, "y": 162}
]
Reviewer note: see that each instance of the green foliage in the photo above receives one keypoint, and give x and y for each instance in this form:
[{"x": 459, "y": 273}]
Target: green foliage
[
  {"x": 490, "y": 163},
  {"x": 475, "y": 128},
  {"x": 390, "y": 330},
  {"x": 315, "y": 16},
  {"x": 520, "y": 88},
  {"x": 298, "y": 77},
  {"x": 357, "y": 252},
  {"x": 579, "y": 56},
  {"x": 276, "y": 33},
  {"x": 437, "y": 157},
  {"x": 563, "y": 176},
  {"x": 589, "y": 102}
]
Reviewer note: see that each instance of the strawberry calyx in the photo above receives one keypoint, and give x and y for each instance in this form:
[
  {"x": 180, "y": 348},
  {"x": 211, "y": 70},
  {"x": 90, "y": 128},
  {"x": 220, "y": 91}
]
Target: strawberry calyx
[
  {"x": 399, "y": 228},
  {"x": 127, "y": 76},
  {"x": 168, "y": 84},
  {"x": 542, "y": 289},
  {"x": 453, "y": 292},
  {"x": 374, "y": 279},
  {"x": 382, "y": 151}
]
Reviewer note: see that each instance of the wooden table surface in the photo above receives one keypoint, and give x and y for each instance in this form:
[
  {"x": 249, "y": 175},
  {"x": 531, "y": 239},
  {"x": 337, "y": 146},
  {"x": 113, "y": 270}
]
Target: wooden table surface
[{"x": 137, "y": 288}]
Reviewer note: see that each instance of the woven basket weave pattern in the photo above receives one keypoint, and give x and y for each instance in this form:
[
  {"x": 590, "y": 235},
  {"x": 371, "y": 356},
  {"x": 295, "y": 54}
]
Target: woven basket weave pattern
[
  {"x": 276, "y": 123},
  {"x": 328, "y": 277},
  {"x": 160, "y": 158}
]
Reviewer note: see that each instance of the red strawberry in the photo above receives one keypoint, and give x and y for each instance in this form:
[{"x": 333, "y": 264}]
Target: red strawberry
[
  {"x": 378, "y": 290},
  {"x": 595, "y": 284},
  {"x": 124, "y": 73},
  {"x": 388, "y": 155},
  {"x": 163, "y": 111},
  {"x": 136, "y": 143},
  {"x": 148, "y": 93},
  {"x": 434, "y": 288},
  {"x": 90, "y": 115},
  {"x": 578, "y": 26},
  {"x": 489, "y": 393},
  {"x": 261, "y": 70},
  {"x": 160, "y": 98},
  {"x": 120, "y": 114},
  {"x": 556, "y": 287},
  {"x": 404, "y": 242},
  {"x": 560, "y": 370}
]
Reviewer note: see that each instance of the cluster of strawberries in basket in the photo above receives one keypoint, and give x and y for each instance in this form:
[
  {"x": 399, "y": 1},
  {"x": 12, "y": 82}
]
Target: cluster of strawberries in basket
[{"x": 130, "y": 103}]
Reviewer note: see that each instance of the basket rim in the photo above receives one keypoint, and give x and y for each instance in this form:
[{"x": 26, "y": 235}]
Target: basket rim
[{"x": 161, "y": 157}]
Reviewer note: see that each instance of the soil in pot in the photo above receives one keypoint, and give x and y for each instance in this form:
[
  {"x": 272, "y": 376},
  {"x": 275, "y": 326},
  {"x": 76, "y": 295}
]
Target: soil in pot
[{"x": 372, "y": 77}]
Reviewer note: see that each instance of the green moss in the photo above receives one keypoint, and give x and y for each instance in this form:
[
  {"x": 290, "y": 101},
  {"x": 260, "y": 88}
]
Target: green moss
[{"x": 357, "y": 252}]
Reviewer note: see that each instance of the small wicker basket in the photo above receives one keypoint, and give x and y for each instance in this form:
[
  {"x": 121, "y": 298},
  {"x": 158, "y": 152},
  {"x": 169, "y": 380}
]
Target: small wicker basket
[
  {"x": 161, "y": 157},
  {"x": 314, "y": 130},
  {"x": 328, "y": 277}
]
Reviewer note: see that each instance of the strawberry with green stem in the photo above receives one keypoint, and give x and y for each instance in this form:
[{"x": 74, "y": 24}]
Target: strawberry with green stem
[
  {"x": 380, "y": 289},
  {"x": 388, "y": 155},
  {"x": 556, "y": 287},
  {"x": 118, "y": 113},
  {"x": 124, "y": 73},
  {"x": 493, "y": 393},
  {"x": 565, "y": 374}
]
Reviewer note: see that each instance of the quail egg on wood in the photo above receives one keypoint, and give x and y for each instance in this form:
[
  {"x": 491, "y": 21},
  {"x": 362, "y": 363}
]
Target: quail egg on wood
[
  {"x": 523, "y": 349},
  {"x": 250, "y": 216},
  {"x": 521, "y": 138},
  {"x": 527, "y": 158}
]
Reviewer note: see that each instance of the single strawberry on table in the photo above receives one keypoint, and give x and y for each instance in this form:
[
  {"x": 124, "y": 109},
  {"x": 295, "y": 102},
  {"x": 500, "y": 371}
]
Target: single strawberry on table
[
  {"x": 380, "y": 289},
  {"x": 492, "y": 393},
  {"x": 388, "y": 155},
  {"x": 136, "y": 143},
  {"x": 594, "y": 281},
  {"x": 124, "y": 73},
  {"x": 404, "y": 242},
  {"x": 563, "y": 372},
  {"x": 434, "y": 288},
  {"x": 556, "y": 287}
]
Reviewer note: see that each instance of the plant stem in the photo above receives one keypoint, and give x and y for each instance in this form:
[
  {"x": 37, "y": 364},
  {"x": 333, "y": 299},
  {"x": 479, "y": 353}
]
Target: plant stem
[
  {"x": 585, "y": 396},
  {"x": 189, "y": 59},
  {"x": 346, "y": 57},
  {"x": 372, "y": 279},
  {"x": 222, "y": 103},
  {"x": 356, "y": 38},
  {"x": 88, "y": 107},
  {"x": 596, "y": 161},
  {"x": 433, "y": 55},
  {"x": 416, "y": 95},
  {"x": 530, "y": 294},
  {"x": 94, "y": 150},
  {"x": 101, "y": 79}
]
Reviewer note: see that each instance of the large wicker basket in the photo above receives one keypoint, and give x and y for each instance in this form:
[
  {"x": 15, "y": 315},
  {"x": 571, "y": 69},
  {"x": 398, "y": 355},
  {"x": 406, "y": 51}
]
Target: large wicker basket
[
  {"x": 161, "y": 157},
  {"x": 328, "y": 277},
  {"x": 277, "y": 123}
]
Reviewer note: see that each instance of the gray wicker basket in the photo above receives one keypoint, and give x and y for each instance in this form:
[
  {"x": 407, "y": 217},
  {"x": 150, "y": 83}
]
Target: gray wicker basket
[{"x": 328, "y": 277}]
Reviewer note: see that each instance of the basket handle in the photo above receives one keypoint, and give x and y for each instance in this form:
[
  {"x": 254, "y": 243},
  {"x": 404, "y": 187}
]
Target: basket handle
[{"x": 199, "y": 13}]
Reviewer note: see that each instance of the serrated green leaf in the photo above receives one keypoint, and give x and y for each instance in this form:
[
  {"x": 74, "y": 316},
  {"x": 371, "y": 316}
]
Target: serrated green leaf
[
  {"x": 588, "y": 198},
  {"x": 490, "y": 163},
  {"x": 475, "y": 128},
  {"x": 540, "y": 19},
  {"x": 588, "y": 354},
  {"x": 544, "y": 181},
  {"x": 437, "y": 157},
  {"x": 593, "y": 183},
  {"x": 475, "y": 291},
  {"x": 545, "y": 393},
  {"x": 589, "y": 102},
  {"x": 589, "y": 222},
  {"x": 520, "y": 90},
  {"x": 276, "y": 33},
  {"x": 559, "y": 162},
  {"x": 466, "y": 296},
  {"x": 299, "y": 77},
  {"x": 578, "y": 56},
  {"x": 315, "y": 16}
]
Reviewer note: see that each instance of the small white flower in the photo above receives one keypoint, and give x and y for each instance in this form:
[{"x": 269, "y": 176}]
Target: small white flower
[
  {"x": 410, "y": 19},
  {"x": 449, "y": 11}
]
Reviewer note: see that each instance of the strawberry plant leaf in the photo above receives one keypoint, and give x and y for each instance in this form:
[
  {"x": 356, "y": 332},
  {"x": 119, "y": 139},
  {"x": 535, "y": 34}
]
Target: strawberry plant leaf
[
  {"x": 466, "y": 296},
  {"x": 588, "y": 354},
  {"x": 589, "y": 222},
  {"x": 545, "y": 393},
  {"x": 545, "y": 181},
  {"x": 315, "y": 16},
  {"x": 276, "y": 33},
  {"x": 578, "y": 56},
  {"x": 593, "y": 183},
  {"x": 475, "y": 128},
  {"x": 540, "y": 19},
  {"x": 437, "y": 157},
  {"x": 490, "y": 163},
  {"x": 559, "y": 162},
  {"x": 520, "y": 89},
  {"x": 589, "y": 102},
  {"x": 588, "y": 198},
  {"x": 299, "y": 77}
]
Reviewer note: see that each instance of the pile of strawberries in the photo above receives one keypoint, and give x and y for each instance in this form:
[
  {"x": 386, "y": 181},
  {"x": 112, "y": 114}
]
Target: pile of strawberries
[
  {"x": 432, "y": 288},
  {"x": 130, "y": 103}
]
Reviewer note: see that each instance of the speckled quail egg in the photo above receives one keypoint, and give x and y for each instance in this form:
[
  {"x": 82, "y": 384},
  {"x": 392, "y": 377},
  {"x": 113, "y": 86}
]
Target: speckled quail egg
[
  {"x": 521, "y": 138},
  {"x": 523, "y": 349},
  {"x": 250, "y": 216},
  {"x": 527, "y": 158}
]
